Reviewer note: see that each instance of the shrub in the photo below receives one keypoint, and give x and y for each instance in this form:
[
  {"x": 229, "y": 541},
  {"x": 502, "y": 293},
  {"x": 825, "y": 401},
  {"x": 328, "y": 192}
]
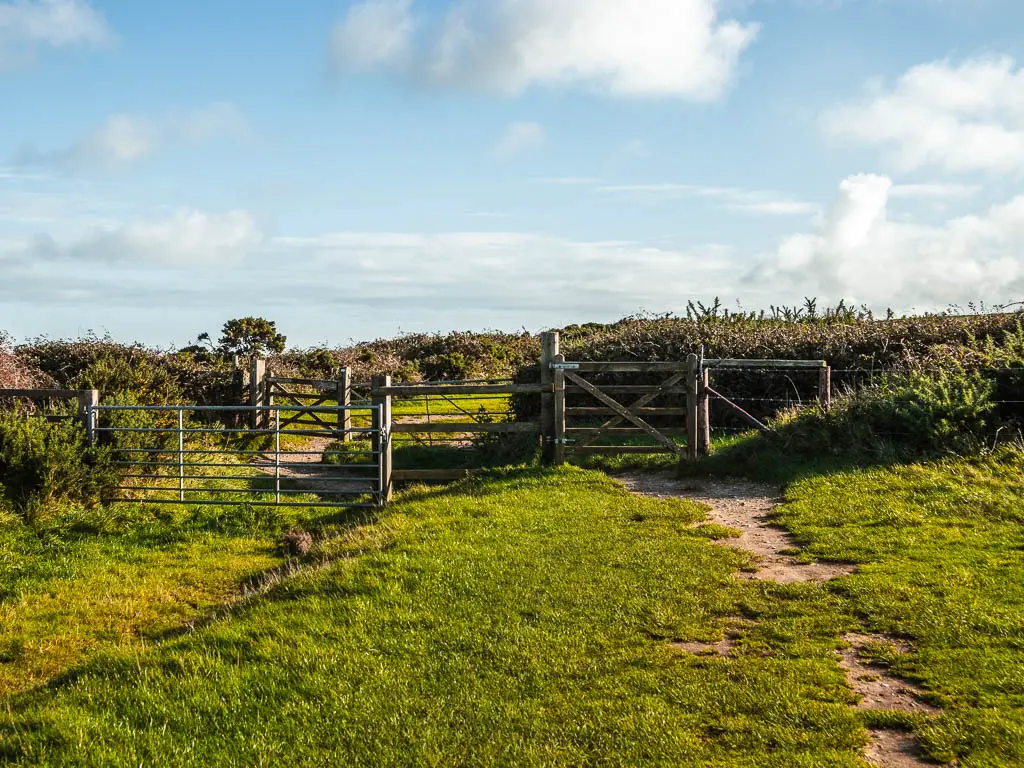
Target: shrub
[
  {"x": 907, "y": 416},
  {"x": 43, "y": 463}
]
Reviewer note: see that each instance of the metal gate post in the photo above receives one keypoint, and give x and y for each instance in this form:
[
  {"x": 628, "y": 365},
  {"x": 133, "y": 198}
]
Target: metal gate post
[
  {"x": 277, "y": 455},
  {"x": 181, "y": 454},
  {"x": 382, "y": 438},
  {"x": 558, "y": 452}
]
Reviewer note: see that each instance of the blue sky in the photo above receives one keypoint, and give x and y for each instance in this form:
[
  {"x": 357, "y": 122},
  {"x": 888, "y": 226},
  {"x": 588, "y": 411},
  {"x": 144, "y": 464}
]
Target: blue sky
[{"x": 354, "y": 170}]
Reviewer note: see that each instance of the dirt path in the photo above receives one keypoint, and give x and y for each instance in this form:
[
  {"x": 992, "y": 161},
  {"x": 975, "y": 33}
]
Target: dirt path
[
  {"x": 749, "y": 508},
  {"x": 305, "y": 468}
]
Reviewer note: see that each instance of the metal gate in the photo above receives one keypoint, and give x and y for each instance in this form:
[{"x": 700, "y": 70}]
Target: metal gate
[{"x": 186, "y": 454}]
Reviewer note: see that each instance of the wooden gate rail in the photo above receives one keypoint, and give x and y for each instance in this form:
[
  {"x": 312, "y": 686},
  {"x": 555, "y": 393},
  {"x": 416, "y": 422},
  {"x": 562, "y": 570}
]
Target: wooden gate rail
[{"x": 86, "y": 400}]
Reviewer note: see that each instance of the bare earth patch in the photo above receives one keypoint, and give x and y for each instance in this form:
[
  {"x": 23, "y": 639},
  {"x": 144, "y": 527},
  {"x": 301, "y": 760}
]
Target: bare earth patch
[
  {"x": 877, "y": 688},
  {"x": 307, "y": 470},
  {"x": 747, "y": 507}
]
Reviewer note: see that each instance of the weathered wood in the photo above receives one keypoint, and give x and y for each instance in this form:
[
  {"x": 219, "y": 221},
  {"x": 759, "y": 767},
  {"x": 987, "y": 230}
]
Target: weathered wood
[
  {"x": 643, "y": 401},
  {"x": 727, "y": 363},
  {"x": 324, "y": 384},
  {"x": 344, "y": 389},
  {"x": 692, "y": 396},
  {"x": 704, "y": 415},
  {"x": 619, "y": 432},
  {"x": 601, "y": 411},
  {"x": 549, "y": 343},
  {"x": 462, "y": 389},
  {"x": 825, "y": 388},
  {"x": 382, "y": 443},
  {"x": 621, "y": 411},
  {"x": 258, "y": 392},
  {"x": 632, "y": 389},
  {"x": 558, "y": 450},
  {"x": 615, "y": 449},
  {"x": 441, "y": 427},
  {"x": 611, "y": 367},
  {"x": 40, "y": 394},
  {"x": 430, "y": 475}
]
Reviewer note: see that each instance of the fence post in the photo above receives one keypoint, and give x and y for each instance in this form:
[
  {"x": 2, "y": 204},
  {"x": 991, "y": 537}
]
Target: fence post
[
  {"x": 257, "y": 374},
  {"x": 704, "y": 414},
  {"x": 692, "y": 397},
  {"x": 825, "y": 388},
  {"x": 344, "y": 401},
  {"x": 548, "y": 353},
  {"x": 382, "y": 438},
  {"x": 87, "y": 401},
  {"x": 558, "y": 452}
]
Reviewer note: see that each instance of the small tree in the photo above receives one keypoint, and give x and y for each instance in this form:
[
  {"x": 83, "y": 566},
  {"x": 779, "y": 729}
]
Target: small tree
[{"x": 250, "y": 337}]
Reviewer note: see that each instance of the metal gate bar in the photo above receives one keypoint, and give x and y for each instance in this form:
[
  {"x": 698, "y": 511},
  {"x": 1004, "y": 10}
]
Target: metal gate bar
[{"x": 173, "y": 452}]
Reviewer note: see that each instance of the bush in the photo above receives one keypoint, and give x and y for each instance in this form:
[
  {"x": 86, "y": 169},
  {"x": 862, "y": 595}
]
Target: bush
[
  {"x": 908, "y": 416},
  {"x": 43, "y": 463}
]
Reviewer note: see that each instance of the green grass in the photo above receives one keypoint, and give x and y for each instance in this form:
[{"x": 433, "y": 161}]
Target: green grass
[{"x": 525, "y": 618}]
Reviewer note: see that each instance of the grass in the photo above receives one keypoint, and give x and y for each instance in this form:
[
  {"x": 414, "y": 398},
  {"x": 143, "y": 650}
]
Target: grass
[{"x": 526, "y": 617}]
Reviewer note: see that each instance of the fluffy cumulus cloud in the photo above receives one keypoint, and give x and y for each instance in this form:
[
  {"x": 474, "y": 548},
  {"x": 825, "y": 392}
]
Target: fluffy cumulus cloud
[
  {"x": 126, "y": 138},
  {"x": 648, "y": 48},
  {"x": 860, "y": 253},
  {"x": 28, "y": 24},
  {"x": 187, "y": 239},
  {"x": 961, "y": 118}
]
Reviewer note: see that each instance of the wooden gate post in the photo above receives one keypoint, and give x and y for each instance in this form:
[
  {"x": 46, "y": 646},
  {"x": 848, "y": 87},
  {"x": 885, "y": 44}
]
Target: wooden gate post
[
  {"x": 257, "y": 375},
  {"x": 548, "y": 353},
  {"x": 344, "y": 401},
  {"x": 88, "y": 400},
  {"x": 704, "y": 414},
  {"x": 692, "y": 397},
  {"x": 558, "y": 449},
  {"x": 382, "y": 438},
  {"x": 825, "y": 388}
]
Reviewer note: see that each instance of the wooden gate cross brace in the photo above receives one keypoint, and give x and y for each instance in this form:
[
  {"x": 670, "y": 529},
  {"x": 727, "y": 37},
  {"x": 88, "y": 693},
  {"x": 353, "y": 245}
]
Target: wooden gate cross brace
[{"x": 626, "y": 414}]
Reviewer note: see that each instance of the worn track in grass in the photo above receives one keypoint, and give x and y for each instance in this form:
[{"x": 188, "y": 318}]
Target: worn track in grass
[{"x": 749, "y": 507}]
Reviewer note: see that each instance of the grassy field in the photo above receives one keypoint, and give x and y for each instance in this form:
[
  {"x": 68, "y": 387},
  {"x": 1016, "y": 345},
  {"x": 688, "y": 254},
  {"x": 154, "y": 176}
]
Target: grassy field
[{"x": 526, "y": 618}]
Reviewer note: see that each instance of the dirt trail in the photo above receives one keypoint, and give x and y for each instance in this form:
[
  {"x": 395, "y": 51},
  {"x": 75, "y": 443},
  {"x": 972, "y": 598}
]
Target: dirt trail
[
  {"x": 307, "y": 470},
  {"x": 748, "y": 507}
]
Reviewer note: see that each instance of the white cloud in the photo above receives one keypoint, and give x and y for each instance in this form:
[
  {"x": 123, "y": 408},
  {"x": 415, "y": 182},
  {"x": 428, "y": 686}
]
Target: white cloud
[
  {"x": 647, "y": 48},
  {"x": 859, "y": 253},
  {"x": 125, "y": 138},
  {"x": 520, "y": 137},
  {"x": 959, "y": 118},
  {"x": 935, "y": 191},
  {"x": 26, "y": 25},
  {"x": 186, "y": 239},
  {"x": 374, "y": 34},
  {"x": 766, "y": 202}
]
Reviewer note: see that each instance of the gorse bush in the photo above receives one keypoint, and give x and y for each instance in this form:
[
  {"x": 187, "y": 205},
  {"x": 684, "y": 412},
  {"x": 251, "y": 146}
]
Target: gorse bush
[
  {"x": 912, "y": 415},
  {"x": 43, "y": 463}
]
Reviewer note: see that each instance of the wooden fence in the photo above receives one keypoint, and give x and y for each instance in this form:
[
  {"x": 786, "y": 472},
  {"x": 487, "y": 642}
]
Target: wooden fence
[{"x": 85, "y": 401}]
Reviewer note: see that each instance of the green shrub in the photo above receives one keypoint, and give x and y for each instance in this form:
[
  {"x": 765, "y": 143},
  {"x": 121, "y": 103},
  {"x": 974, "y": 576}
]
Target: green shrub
[
  {"x": 907, "y": 416},
  {"x": 43, "y": 463}
]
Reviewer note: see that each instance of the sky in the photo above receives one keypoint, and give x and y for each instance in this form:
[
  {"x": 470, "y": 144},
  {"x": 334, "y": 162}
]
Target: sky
[{"x": 354, "y": 170}]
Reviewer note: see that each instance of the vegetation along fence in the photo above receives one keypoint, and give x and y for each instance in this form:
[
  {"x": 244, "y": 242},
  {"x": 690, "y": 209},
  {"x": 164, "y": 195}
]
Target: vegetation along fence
[{"x": 333, "y": 442}]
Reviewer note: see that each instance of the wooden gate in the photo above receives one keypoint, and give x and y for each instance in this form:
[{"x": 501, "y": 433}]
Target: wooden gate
[
  {"x": 301, "y": 403},
  {"x": 629, "y": 408}
]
